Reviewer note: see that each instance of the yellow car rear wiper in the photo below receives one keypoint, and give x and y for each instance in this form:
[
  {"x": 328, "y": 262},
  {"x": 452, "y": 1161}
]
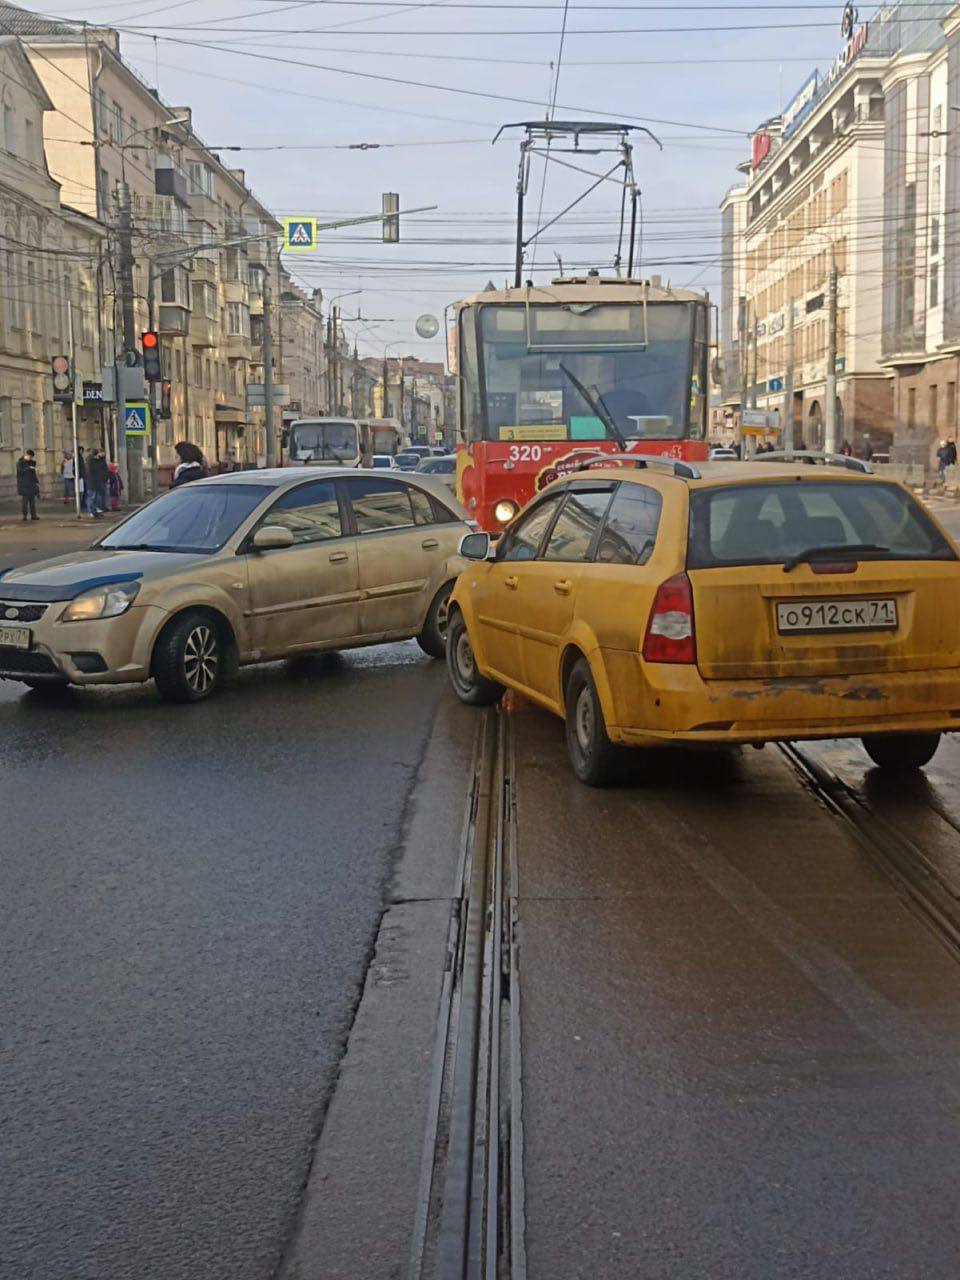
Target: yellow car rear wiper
[{"x": 846, "y": 551}]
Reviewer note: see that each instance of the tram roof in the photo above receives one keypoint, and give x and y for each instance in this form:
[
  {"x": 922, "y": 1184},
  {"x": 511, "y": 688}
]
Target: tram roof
[{"x": 587, "y": 289}]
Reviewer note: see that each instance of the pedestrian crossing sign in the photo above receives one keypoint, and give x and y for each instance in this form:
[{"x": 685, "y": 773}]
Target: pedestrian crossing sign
[
  {"x": 136, "y": 418},
  {"x": 300, "y": 234}
]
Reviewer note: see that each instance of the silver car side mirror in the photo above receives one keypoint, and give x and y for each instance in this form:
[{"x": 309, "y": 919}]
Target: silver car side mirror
[
  {"x": 475, "y": 546},
  {"x": 271, "y": 537}
]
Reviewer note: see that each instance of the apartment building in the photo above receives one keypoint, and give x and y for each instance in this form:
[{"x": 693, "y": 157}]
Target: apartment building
[
  {"x": 302, "y": 349},
  {"x": 51, "y": 274},
  {"x": 204, "y": 247}
]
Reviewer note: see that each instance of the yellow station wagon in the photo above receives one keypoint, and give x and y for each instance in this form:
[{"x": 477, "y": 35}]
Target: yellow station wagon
[{"x": 653, "y": 602}]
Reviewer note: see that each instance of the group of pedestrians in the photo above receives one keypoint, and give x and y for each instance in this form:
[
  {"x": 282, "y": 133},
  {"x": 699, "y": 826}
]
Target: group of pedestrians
[{"x": 99, "y": 480}]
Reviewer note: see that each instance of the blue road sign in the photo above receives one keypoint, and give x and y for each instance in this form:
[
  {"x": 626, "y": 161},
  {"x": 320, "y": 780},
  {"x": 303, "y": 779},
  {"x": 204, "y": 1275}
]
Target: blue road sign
[
  {"x": 136, "y": 419},
  {"x": 300, "y": 234},
  {"x": 775, "y": 384}
]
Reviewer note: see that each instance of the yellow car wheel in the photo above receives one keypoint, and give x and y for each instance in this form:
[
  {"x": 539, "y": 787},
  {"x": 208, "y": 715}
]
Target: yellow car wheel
[
  {"x": 594, "y": 758},
  {"x": 901, "y": 752},
  {"x": 468, "y": 684}
]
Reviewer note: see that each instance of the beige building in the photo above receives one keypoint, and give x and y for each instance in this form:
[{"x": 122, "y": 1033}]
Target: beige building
[
  {"x": 52, "y": 262},
  {"x": 109, "y": 137},
  {"x": 814, "y": 187},
  {"x": 303, "y": 351}
]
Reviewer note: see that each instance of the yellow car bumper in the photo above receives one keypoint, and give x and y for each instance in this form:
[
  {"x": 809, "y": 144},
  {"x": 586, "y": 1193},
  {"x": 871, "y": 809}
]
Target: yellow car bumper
[{"x": 663, "y": 702}]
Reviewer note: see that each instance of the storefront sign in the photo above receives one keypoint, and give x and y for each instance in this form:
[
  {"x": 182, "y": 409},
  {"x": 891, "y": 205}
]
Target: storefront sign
[
  {"x": 801, "y": 104},
  {"x": 814, "y": 303},
  {"x": 93, "y": 393},
  {"x": 760, "y": 149},
  {"x": 776, "y": 324}
]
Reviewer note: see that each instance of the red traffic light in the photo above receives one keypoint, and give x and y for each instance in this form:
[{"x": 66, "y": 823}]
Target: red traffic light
[
  {"x": 150, "y": 340},
  {"x": 60, "y": 364},
  {"x": 152, "y": 368}
]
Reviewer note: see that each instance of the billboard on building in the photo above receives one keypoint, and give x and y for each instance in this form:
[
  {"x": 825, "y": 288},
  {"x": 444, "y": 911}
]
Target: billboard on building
[{"x": 801, "y": 104}]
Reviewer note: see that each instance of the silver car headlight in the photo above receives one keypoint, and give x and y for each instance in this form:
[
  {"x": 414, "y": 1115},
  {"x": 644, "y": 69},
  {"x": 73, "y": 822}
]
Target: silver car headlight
[{"x": 102, "y": 602}]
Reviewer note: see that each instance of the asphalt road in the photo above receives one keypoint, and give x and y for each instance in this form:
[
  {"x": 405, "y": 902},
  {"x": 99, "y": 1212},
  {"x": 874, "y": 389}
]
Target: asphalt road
[{"x": 188, "y": 899}]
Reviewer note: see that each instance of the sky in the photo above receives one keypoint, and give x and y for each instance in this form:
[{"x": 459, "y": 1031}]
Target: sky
[{"x": 294, "y": 83}]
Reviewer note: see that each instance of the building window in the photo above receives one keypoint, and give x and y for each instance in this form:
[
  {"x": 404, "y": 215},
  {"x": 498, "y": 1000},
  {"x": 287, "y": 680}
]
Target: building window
[
  {"x": 951, "y": 406},
  {"x": 201, "y": 179},
  {"x": 911, "y": 407},
  {"x": 6, "y": 421},
  {"x": 238, "y": 319},
  {"x": 934, "y": 406},
  {"x": 197, "y": 369},
  {"x": 934, "y": 284},
  {"x": 934, "y": 237}
]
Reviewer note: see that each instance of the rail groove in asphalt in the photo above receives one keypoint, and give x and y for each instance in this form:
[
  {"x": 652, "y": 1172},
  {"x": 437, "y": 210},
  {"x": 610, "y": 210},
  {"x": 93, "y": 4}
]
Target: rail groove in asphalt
[
  {"x": 900, "y": 857},
  {"x": 469, "y": 1220}
]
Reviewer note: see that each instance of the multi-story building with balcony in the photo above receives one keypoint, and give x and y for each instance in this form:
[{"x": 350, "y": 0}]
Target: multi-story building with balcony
[
  {"x": 862, "y": 168},
  {"x": 51, "y": 279},
  {"x": 303, "y": 352}
]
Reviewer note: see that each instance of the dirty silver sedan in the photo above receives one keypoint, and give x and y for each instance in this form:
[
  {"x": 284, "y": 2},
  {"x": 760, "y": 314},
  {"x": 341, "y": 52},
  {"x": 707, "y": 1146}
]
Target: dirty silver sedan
[{"x": 238, "y": 569}]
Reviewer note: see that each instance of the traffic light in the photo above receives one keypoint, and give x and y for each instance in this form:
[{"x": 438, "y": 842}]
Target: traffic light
[
  {"x": 150, "y": 341},
  {"x": 166, "y": 388},
  {"x": 62, "y": 378},
  {"x": 390, "y": 206}
]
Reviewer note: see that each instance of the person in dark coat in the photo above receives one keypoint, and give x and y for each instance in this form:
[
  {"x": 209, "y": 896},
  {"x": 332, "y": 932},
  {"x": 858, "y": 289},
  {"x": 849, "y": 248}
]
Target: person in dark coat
[
  {"x": 952, "y": 448},
  {"x": 97, "y": 476},
  {"x": 943, "y": 460},
  {"x": 28, "y": 484},
  {"x": 191, "y": 465}
]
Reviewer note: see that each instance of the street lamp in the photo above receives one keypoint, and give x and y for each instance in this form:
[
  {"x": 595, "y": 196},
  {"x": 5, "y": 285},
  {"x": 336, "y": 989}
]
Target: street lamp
[{"x": 334, "y": 357}]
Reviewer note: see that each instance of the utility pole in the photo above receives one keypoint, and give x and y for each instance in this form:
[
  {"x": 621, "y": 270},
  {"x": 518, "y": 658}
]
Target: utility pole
[
  {"x": 753, "y": 381},
  {"x": 830, "y": 434},
  {"x": 788, "y": 384},
  {"x": 125, "y": 236},
  {"x": 335, "y": 312},
  {"x": 73, "y": 411},
  {"x": 268, "y": 372},
  {"x": 742, "y": 352},
  {"x": 386, "y": 407}
]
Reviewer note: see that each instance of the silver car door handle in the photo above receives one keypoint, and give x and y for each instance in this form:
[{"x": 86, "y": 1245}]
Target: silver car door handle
[
  {"x": 338, "y": 557},
  {"x": 428, "y": 544}
]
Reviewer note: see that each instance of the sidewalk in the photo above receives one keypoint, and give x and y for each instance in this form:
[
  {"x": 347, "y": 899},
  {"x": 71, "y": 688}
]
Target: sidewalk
[{"x": 53, "y": 513}]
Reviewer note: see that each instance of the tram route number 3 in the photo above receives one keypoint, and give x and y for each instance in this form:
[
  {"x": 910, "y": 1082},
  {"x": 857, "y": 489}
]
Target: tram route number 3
[{"x": 525, "y": 453}]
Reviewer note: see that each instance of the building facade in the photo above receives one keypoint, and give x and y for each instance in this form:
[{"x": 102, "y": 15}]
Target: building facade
[
  {"x": 52, "y": 261},
  {"x": 861, "y": 170}
]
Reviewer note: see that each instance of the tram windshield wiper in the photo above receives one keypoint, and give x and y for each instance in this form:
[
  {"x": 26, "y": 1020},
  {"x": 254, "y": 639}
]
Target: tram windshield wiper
[{"x": 598, "y": 407}]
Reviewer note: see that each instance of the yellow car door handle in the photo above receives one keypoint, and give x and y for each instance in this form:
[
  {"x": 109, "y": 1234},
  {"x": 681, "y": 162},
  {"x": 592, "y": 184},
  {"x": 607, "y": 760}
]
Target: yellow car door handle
[
  {"x": 512, "y": 582},
  {"x": 428, "y": 544},
  {"x": 563, "y": 587},
  {"x": 338, "y": 557}
]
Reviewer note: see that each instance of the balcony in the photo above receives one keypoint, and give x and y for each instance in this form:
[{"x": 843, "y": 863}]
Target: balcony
[
  {"x": 204, "y": 270},
  {"x": 172, "y": 318},
  {"x": 203, "y": 331},
  {"x": 237, "y": 346},
  {"x": 203, "y": 207},
  {"x": 236, "y": 291}
]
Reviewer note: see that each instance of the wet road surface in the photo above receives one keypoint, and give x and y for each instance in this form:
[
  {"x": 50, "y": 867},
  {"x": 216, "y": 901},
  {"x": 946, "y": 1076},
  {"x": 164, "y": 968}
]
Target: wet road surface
[
  {"x": 740, "y": 1044},
  {"x": 189, "y": 897}
]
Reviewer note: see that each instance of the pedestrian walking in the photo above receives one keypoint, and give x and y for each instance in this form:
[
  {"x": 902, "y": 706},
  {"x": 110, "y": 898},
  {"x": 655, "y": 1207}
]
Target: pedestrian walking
[
  {"x": 67, "y": 476},
  {"x": 28, "y": 484},
  {"x": 191, "y": 466},
  {"x": 943, "y": 461},
  {"x": 114, "y": 485},
  {"x": 952, "y": 447},
  {"x": 97, "y": 477}
]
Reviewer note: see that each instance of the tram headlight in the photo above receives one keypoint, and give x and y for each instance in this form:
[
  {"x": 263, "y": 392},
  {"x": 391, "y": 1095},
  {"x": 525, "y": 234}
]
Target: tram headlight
[{"x": 504, "y": 511}]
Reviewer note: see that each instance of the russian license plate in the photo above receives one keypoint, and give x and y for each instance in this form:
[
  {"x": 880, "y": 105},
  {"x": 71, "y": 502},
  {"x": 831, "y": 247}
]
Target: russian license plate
[
  {"x": 837, "y": 615},
  {"x": 15, "y": 637}
]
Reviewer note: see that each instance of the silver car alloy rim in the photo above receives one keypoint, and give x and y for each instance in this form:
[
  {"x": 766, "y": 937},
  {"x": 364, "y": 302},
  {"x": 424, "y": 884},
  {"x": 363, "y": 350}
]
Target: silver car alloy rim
[
  {"x": 200, "y": 659},
  {"x": 443, "y": 615},
  {"x": 583, "y": 719},
  {"x": 465, "y": 664}
]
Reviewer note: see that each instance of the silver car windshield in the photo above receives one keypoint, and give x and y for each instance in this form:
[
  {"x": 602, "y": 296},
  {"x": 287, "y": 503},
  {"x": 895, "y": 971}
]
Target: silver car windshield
[{"x": 196, "y": 518}]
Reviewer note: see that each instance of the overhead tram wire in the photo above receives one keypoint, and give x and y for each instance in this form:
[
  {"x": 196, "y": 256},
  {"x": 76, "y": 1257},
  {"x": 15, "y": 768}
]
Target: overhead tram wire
[
  {"x": 550, "y": 114},
  {"x": 442, "y": 88}
]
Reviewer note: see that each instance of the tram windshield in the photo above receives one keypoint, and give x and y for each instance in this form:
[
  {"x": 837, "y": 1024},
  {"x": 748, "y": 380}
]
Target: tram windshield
[{"x": 643, "y": 362}]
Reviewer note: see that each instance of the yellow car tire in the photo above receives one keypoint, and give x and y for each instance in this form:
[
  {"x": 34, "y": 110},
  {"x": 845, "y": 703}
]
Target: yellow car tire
[{"x": 594, "y": 759}]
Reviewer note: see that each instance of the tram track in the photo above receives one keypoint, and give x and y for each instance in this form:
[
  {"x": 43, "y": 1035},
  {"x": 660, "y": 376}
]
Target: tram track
[
  {"x": 900, "y": 857},
  {"x": 469, "y": 1216}
]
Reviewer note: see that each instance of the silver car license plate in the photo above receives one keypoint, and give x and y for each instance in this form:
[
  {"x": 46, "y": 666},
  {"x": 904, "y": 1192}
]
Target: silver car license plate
[
  {"x": 15, "y": 637},
  {"x": 836, "y": 615}
]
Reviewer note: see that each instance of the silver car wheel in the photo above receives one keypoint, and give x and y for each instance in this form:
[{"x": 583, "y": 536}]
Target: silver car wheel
[
  {"x": 466, "y": 667},
  {"x": 583, "y": 719},
  {"x": 443, "y": 615},
  {"x": 200, "y": 658}
]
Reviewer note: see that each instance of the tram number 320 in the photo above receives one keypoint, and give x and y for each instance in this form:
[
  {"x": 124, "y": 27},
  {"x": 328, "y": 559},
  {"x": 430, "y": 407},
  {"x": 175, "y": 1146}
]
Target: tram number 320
[{"x": 525, "y": 453}]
